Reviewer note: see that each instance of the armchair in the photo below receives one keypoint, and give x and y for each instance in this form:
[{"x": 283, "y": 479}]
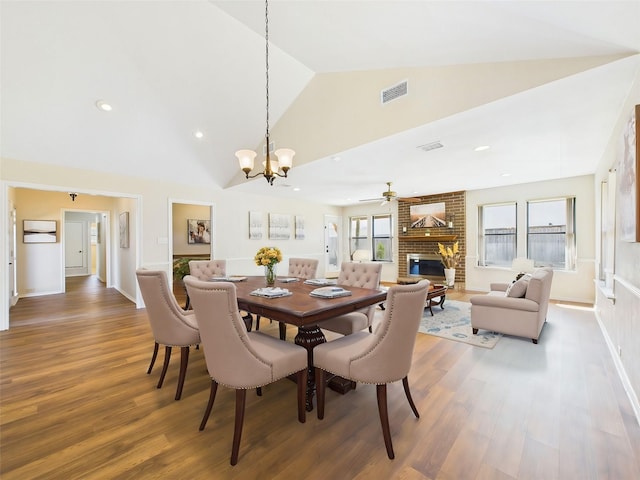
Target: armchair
[{"x": 517, "y": 309}]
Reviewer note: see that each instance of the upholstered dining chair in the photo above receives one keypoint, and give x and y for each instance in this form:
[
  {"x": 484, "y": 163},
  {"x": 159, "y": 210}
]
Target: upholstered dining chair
[
  {"x": 303, "y": 268},
  {"x": 170, "y": 324},
  {"x": 355, "y": 274},
  {"x": 205, "y": 270},
  {"x": 239, "y": 359},
  {"x": 381, "y": 357}
]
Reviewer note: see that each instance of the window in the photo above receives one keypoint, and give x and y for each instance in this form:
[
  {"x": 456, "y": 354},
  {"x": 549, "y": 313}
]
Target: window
[
  {"x": 497, "y": 232},
  {"x": 358, "y": 234},
  {"x": 551, "y": 239},
  {"x": 382, "y": 238}
]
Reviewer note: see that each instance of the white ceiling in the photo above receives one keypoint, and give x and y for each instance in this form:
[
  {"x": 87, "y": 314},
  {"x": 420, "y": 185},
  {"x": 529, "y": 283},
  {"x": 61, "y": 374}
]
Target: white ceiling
[{"x": 170, "y": 68}]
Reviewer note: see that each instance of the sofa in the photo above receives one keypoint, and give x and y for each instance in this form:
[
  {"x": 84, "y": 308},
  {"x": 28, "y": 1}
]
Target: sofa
[{"x": 517, "y": 308}]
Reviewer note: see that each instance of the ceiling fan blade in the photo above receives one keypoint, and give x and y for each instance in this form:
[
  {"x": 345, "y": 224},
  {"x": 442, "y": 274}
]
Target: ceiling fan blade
[
  {"x": 371, "y": 200},
  {"x": 410, "y": 199}
]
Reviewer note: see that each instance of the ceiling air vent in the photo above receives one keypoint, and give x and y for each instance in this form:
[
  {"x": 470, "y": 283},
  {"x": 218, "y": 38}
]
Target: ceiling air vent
[
  {"x": 394, "y": 92},
  {"x": 430, "y": 146}
]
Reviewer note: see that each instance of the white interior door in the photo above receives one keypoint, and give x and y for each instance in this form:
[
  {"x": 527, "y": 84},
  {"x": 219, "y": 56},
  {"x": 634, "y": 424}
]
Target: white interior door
[
  {"x": 13, "y": 282},
  {"x": 332, "y": 257},
  {"x": 75, "y": 251}
]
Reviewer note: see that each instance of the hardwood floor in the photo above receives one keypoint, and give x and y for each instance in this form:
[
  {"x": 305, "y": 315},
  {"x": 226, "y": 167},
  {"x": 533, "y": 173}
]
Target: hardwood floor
[{"x": 76, "y": 403}]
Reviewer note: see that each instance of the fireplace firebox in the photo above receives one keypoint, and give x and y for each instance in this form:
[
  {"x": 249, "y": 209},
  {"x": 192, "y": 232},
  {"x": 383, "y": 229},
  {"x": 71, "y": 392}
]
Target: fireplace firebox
[{"x": 425, "y": 266}]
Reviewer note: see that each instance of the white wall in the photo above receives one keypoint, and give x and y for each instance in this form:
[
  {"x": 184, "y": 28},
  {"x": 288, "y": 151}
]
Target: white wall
[
  {"x": 147, "y": 202},
  {"x": 576, "y": 286}
]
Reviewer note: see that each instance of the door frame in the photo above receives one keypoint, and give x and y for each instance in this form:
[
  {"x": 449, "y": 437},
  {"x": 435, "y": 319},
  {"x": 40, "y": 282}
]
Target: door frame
[
  {"x": 5, "y": 300},
  {"x": 214, "y": 236}
]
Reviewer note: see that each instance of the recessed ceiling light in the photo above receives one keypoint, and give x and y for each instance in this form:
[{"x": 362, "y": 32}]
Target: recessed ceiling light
[
  {"x": 104, "y": 106},
  {"x": 505, "y": 175},
  {"x": 198, "y": 134},
  {"x": 482, "y": 148},
  {"x": 296, "y": 189}
]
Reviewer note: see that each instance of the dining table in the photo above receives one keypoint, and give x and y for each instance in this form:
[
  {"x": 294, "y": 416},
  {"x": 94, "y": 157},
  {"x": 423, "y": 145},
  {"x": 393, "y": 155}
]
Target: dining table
[{"x": 305, "y": 311}]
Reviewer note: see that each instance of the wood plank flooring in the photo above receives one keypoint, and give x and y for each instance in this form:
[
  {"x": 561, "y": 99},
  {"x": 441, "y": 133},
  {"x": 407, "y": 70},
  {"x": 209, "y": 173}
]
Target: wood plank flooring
[{"x": 76, "y": 403}]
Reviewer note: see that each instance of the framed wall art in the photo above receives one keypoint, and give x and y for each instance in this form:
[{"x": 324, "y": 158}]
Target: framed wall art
[
  {"x": 255, "y": 225},
  {"x": 430, "y": 215},
  {"x": 299, "y": 225},
  {"x": 198, "y": 231},
  {"x": 628, "y": 180},
  {"x": 39, "y": 231},
  {"x": 279, "y": 226},
  {"x": 124, "y": 230}
]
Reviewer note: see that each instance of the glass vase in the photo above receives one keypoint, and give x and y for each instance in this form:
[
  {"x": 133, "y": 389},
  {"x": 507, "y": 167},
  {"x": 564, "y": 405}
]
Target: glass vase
[{"x": 270, "y": 275}]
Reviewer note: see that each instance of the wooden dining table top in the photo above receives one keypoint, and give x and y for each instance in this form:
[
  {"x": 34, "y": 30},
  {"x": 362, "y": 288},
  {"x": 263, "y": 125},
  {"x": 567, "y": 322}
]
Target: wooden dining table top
[{"x": 300, "y": 308}]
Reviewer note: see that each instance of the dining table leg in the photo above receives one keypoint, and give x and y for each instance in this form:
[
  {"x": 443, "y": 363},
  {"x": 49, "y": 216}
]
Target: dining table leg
[{"x": 308, "y": 337}]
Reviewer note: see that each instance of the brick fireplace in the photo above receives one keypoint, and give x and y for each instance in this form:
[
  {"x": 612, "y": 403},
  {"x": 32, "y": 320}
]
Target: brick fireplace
[{"x": 413, "y": 242}]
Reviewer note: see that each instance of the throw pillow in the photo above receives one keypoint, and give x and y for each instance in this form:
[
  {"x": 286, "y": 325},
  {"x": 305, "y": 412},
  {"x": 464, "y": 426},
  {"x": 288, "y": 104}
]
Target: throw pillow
[{"x": 517, "y": 289}]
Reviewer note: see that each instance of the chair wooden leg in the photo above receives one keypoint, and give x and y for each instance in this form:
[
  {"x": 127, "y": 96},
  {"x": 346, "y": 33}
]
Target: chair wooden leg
[
  {"x": 407, "y": 392},
  {"x": 320, "y": 389},
  {"x": 165, "y": 365},
  {"x": 474, "y": 330},
  {"x": 212, "y": 397},
  {"x": 184, "y": 361},
  {"x": 257, "y": 322},
  {"x": 153, "y": 357},
  {"x": 381, "y": 391},
  {"x": 282, "y": 327},
  {"x": 241, "y": 396},
  {"x": 301, "y": 381}
]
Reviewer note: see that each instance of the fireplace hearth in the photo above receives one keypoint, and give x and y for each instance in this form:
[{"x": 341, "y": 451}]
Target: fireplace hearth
[{"x": 425, "y": 266}]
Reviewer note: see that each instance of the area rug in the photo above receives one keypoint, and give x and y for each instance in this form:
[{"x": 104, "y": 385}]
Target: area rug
[{"x": 453, "y": 323}]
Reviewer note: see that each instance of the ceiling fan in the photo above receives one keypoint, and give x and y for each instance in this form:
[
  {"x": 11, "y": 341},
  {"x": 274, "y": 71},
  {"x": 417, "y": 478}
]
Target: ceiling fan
[{"x": 390, "y": 195}]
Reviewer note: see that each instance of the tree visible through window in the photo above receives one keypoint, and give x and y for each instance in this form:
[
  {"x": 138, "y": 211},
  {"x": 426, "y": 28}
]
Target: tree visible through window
[
  {"x": 358, "y": 234},
  {"x": 382, "y": 238}
]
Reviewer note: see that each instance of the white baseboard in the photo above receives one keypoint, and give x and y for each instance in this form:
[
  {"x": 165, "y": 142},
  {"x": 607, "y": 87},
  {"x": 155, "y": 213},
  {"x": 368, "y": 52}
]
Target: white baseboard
[{"x": 633, "y": 398}]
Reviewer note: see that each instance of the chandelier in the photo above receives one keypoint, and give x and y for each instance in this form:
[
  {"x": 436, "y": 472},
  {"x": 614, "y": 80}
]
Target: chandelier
[{"x": 284, "y": 161}]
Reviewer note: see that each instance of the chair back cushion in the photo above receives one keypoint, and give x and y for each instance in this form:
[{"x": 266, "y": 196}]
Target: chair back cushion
[
  {"x": 356, "y": 274},
  {"x": 169, "y": 323},
  {"x": 231, "y": 359},
  {"x": 207, "y": 269},
  {"x": 363, "y": 275},
  {"x": 390, "y": 359},
  {"x": 303, "y": 267},
  {"x": 539, "y": 289}
]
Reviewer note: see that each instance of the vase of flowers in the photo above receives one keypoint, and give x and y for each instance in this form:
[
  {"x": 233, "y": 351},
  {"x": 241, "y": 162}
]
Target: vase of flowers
[
  {"x": 449, "y": 256},
  {"x": 269, "y": 257}
]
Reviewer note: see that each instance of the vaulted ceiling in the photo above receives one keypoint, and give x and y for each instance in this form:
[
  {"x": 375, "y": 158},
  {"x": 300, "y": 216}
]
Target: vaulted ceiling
[{"x": 542, "y": 83}]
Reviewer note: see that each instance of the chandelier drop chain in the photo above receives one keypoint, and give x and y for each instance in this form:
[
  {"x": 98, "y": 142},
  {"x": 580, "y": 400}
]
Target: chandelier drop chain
[
  {"x": 284, "y": 156},
  {"x": 266, "y": 37}
]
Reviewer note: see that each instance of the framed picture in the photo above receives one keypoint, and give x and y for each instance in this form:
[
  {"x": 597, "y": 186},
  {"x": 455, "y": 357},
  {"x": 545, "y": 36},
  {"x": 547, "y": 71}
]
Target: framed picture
[
  {"x": 199, "y": 231},
  {"x": 628, "y": 180},
  {"x": 430, "y": 215},
  {"x": 255, "y": 225},
  {"x": 39, "y": 231},
  {"x": 279, "y": 226},
  {"x": 124, "y": 230},
  {"x": 299, "y": 221}
]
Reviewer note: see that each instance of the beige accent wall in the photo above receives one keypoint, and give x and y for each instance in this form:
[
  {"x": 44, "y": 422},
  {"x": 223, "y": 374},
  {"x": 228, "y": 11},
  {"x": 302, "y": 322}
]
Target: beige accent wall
[{"x": 339, "y": 111}]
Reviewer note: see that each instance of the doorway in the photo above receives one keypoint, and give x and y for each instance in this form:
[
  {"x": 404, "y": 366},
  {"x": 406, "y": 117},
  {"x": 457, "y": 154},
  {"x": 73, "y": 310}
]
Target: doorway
[{"x": 332, "y": 257}]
